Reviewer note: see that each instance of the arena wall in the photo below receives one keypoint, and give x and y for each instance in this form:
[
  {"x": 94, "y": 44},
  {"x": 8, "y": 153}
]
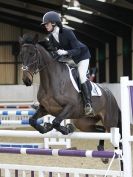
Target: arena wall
[{"x": 21, "y": 93}]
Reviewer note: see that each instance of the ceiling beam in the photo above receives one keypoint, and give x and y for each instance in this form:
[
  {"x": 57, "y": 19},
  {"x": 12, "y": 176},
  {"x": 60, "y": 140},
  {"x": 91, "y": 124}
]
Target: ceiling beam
[
  {"x": 20, "y": 21},
  {"x": 91, "y": 31},
  {"x": 130, "y": 1},
  {"x": 90, "y": 42},
  {"x": 101, "y": 22},
  {"x": 20, "y": 9},
  {"x": 34, "y": 25},
  {"x": 43, "y": 4},
  {"x": 117, "y": 13},
  {"x": 107, "y": 25}
]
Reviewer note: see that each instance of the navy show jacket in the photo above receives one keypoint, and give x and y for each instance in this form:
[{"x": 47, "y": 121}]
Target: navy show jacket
[{"x": 68, "y": 41}]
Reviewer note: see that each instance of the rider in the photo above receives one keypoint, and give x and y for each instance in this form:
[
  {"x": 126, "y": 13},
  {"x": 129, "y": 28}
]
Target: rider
[{"x": 67, "y": 44}]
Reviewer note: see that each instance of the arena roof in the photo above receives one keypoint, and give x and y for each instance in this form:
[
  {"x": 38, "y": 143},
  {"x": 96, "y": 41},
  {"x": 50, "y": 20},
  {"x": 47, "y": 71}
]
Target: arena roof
[{"x": 96, "y": 22}]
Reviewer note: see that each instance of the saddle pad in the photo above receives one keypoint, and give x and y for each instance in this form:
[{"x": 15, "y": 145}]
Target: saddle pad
[{"x": 95, "y": 89}]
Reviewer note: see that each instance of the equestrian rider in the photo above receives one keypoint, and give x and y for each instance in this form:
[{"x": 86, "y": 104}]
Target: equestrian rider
[{"x": 67, "y": 44}]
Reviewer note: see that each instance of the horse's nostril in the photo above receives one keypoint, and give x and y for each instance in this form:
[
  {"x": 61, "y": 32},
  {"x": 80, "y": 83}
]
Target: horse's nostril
[{"x": 27, "y": 82}]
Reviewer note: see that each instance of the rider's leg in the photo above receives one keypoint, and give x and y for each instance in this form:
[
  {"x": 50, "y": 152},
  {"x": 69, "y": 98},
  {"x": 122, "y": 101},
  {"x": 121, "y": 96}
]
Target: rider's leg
[{"x": 85, "y": 86}]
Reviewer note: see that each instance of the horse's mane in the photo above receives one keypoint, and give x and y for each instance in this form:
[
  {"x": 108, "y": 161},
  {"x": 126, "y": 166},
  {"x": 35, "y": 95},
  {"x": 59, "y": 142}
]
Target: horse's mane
[{"x": 29, "y": 38}]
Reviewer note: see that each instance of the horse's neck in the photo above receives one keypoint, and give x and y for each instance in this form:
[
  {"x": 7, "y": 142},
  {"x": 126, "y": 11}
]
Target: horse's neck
[
  {"x": 51, "y": 70},
  {"x": 44, "y": 79},
  {"x": 45, "y": 57},
  {"x": 49, "y": 67}
]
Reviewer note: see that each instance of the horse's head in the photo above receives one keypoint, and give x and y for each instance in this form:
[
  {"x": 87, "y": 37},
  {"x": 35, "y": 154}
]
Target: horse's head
[{"x": 29, "y": 56}]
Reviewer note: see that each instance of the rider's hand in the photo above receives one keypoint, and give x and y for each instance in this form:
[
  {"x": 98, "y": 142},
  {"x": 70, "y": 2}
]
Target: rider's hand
[{"x": 62, "y": 52}]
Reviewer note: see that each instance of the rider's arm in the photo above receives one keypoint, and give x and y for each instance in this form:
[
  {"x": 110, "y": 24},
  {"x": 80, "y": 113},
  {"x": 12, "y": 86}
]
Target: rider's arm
[{"x": 74, "y": 44}]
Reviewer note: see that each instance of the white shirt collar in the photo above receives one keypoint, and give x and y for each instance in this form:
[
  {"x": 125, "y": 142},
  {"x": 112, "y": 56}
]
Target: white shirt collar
[{"x": 55, "y": 33}]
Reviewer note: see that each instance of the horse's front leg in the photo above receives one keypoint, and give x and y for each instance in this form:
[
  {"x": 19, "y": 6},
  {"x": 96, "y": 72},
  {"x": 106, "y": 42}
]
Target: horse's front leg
[
  {"x": 40, "y": 112},
  {"x": 66, "y": 113}
]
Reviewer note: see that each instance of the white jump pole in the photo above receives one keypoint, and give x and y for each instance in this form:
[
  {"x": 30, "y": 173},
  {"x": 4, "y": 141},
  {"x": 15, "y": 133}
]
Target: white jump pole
[
  {"x": 113, "y": 136},
  {"x": 36, "y": 134},
  {"x": 125, "y": 110}
]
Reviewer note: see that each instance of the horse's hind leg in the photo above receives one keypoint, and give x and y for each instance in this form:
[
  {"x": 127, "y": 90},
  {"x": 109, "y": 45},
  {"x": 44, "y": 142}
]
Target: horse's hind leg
[
  {"x": 100, "y": 146},
  {"x": 89, "y": 125},
  {"x": 100, "y": 129},
  {"x": 33, "y": 121}
]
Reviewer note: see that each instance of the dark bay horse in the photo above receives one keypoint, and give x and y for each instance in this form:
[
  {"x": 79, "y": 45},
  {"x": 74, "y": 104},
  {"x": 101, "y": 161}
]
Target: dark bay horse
[{"x": 58, "y": 97}]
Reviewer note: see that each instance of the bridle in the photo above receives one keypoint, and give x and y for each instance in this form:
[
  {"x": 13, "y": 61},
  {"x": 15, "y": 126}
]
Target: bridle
[{"x": 36, "y": 61}]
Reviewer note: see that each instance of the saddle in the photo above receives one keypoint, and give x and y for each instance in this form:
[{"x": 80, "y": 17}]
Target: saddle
[{"x": 65, "y": 59}]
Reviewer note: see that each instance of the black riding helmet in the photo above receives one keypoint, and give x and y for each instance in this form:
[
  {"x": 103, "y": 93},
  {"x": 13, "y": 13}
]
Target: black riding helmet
[{"x": 52, "y": 17}]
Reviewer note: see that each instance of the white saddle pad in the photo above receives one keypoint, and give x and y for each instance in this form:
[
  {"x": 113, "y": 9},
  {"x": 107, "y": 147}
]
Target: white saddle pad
[{"x": 96, "y": 91}]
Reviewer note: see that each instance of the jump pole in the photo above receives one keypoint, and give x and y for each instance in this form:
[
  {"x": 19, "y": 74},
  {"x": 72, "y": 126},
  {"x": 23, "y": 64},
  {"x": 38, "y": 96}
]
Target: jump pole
[
  {"x": 17, "y": 112},
  {"x": 62, "y": 152},
  {"x": 15, "y": 106},
  {"x": 126, "y": 134},
  {"x": 20, "y": 122},
  {"x": 114, "y": 136}
]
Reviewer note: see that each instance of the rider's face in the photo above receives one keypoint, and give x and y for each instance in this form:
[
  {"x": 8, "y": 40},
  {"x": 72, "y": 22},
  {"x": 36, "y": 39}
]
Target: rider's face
[{"x": 49, "y": 27}]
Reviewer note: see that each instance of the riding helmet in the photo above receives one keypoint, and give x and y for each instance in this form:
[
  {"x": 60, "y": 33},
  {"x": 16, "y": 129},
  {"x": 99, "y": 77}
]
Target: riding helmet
[{"x": 52, "y": 17}]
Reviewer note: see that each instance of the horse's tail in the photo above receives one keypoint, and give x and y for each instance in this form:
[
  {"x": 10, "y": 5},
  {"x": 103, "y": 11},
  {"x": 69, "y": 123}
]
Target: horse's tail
[{"x": 115, "y": 115}]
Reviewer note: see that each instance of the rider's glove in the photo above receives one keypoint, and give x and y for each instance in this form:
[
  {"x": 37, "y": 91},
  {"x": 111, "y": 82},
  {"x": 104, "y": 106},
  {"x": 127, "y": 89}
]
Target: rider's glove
[{"x": 62, "y": 52}]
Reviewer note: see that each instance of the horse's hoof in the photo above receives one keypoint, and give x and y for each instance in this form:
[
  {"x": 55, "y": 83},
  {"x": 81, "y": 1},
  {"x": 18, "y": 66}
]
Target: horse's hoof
[
  {"x": 56, "y": 123},
  {"x": 100, "y": 148},
  {"x": 47, "y": 127},
  {"x": 44, "y": 129},
  {"x": 63, "y": 130},
  {"x": 41, "y": 129},
  {"x": 105, "y": 160},
  {"x": 70, "y": 128}
]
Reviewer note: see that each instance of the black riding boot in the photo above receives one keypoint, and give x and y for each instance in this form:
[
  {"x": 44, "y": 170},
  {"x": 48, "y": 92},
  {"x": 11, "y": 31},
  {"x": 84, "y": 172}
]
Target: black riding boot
[{"x": 86, "y": 91}]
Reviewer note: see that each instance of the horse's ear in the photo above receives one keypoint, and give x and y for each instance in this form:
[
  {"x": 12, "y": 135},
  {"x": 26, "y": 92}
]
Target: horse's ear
[
  {"x": 20, "y": 40},
  {"x": 36, "y": 38}
]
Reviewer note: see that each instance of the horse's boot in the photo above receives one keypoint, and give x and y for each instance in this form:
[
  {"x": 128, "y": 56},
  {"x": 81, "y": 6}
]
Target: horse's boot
[{"x": 86, "y": 91}]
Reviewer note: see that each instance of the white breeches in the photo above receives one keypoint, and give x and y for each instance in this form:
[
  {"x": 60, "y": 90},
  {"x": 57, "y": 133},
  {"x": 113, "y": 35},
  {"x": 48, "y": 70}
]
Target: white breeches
[{"x": 82, "y": 69}]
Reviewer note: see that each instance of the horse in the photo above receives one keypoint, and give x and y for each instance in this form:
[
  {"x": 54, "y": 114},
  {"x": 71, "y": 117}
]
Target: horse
[{"x": 58, "y": 97}]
